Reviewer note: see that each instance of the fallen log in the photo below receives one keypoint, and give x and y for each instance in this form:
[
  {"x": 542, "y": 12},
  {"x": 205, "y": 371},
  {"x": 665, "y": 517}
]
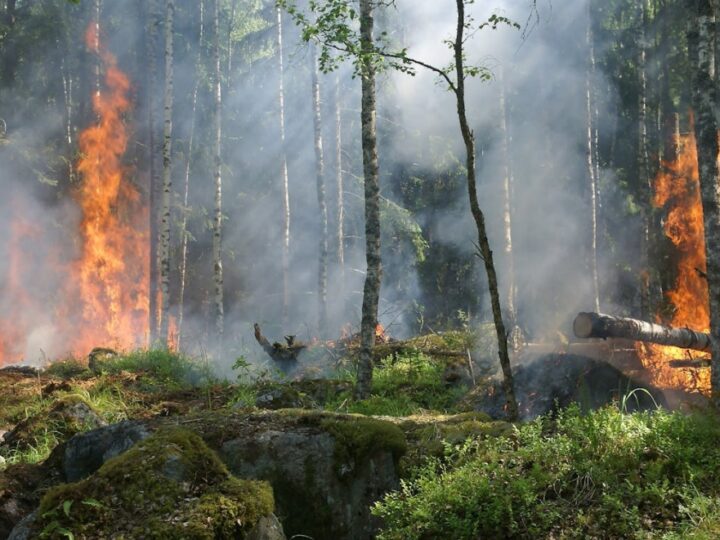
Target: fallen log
[{"x": 597, "y": 325}]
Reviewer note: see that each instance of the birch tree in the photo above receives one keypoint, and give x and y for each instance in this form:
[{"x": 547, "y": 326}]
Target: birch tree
[
  {"x": 153, "y": 176},
  {"x": 590, "y": 159},
  {"x": 217, "y": 173},
  {"x": 164, "y": 241},
  {"x": 322, "y": 202},
  {"x": 284, "y": 182},
  {"x": 702, "y": 40},
  {"x": 373, "y": 276}
]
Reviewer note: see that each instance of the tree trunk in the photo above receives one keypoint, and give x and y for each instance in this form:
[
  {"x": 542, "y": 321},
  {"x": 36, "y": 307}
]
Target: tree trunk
[
  {"x": 340, "y": 230},
  {"x": 283, "y": 176},
  {"x": 164, "y": 267},
  {"x": 591, "y": 168},
  {"x": 154, "y": 182},
  {"x": 645, "y": 187},
  {"x": 704, "y": 97},
  {"x": 373, "y": 276},
  {"x": 515, "y": 337},
  {"x": 597, "y": 325},
  {"x": 217, "y": 147},
  {"x": 484, "y": 245},
  {"x": 322, "y": 203},
  {"x": 186, "y": 192}
]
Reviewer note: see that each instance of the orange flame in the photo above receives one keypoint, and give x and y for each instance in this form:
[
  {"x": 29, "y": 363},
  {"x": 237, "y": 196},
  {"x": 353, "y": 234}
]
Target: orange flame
[
  {"x": 102, "y": 299},
  {"x": 677, "y": 188},
  {"x": 112, "y": 272}
]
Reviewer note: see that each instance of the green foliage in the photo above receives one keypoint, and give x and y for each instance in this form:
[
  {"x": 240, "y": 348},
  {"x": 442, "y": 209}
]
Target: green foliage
[
  {"x": 604, "y": 475},
  {"x": 402, "y": 386}
]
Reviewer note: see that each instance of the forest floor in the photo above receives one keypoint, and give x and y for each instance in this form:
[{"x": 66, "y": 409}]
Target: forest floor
[{"x": 570, "y": 474}]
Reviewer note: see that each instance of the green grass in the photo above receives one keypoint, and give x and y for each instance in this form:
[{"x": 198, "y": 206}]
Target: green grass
[
  {"x": 603, "y": 475},
  {"x": 402, "y": 386},
  {"x": 163, "y": 368}
]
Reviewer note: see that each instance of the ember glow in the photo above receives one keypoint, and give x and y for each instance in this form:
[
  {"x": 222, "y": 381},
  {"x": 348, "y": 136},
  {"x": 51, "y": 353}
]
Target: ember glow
[
  {"x": 103, "y": 301},
  {"x": 677, "y": 190}
]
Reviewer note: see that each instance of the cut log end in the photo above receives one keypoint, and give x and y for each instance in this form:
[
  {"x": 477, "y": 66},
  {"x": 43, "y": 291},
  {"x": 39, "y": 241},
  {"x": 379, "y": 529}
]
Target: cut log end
[{"x": 583, "y": 325}]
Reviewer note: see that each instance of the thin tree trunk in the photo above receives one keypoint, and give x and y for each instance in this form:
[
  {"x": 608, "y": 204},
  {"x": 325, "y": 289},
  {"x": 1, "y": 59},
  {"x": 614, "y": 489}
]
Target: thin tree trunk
[
  {"x": 591, "y": 169},
  {"x": 704, "y": 96},
  {"x": 646, "y": 299},
  {"x": 217, "y": 226},
  {"x": 373, "y": 275},
  {"x": 285, "y": 260},
  {"x": 164, "y": 241},
  {"x": 515, "y": 338},
  {"x": 340, "y": 231},
  {"x": 484, "y": 245},
  {"x": 154, "y": 181},
  {"x": 186, "y": 192},
  {"x": 322, "y": 203}
]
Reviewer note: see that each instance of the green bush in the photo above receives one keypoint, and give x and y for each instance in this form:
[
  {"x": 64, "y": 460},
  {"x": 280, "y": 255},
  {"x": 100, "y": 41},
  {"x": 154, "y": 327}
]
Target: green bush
[{"x": 603, "y": 475}]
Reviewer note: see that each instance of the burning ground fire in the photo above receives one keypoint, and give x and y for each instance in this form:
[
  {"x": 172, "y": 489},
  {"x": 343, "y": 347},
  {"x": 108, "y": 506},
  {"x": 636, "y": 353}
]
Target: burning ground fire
[
  {"x": 677, "y": 189},
  {"x": 104, "y": 299}
]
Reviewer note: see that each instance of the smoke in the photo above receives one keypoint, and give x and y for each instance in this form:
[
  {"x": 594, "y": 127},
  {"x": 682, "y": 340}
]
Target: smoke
[{"x": 543, "y": 74}]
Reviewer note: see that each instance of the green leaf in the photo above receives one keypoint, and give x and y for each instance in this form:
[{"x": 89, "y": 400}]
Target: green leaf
[
  {"x": 66, "y": 507},
  {"x": 92, "y": 502},
  {"x": 66, "y": 533}
]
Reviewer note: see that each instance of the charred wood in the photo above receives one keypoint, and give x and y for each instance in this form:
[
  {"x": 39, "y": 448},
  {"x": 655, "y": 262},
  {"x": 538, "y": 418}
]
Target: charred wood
[{"x": 597, "y": 325}]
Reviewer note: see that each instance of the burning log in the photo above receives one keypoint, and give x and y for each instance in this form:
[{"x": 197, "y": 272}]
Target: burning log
[
  {"x": 597, "y": 325},
  {"x": 280, "y": 352}
]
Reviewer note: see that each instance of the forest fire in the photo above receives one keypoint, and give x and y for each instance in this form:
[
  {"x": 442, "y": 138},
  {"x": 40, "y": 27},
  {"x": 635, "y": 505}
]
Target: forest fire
[
  {"x": 677, "y": 189},
  {"x": 104, "y": 298}
]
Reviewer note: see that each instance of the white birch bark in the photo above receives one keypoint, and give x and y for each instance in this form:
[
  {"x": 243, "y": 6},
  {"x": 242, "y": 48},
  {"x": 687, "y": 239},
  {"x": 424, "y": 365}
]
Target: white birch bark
[
  {"x": 164, "y": 246},
  {"x": 284, "y": 181},
  {"x": 322, "y": 203}
]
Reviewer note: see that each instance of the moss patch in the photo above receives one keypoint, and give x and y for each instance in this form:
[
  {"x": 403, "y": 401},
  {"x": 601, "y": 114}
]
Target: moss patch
[
  {"x": 356, "y": 438},
  {"x": 168, "y": 483}
]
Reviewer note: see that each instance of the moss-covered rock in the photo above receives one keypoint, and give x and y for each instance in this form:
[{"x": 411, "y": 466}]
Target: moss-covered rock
[{"x": 170, "y": 485}]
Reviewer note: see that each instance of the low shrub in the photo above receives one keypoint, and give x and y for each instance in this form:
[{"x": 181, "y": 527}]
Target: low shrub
[{"x": 601, "y": 475}]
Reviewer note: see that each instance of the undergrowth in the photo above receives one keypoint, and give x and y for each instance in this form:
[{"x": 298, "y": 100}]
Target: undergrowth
[
  {"x": 404, "y": 385},
  {"x": 601, "y": 475}
]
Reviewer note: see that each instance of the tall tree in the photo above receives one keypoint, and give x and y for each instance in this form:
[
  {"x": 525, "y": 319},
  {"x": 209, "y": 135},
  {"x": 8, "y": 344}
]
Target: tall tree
[
  {"x": 322, "y": 202},
  {"x": 591, "y": 156},
  {"x": 485, "y": 252},
  {"x": 371, "y": 169},
  {"x": 217, "y": 172},
  {"x": 284, "y": 183},
  {"x": 645, "y": 190},
  {"x": 164, "y": 241},
  {"x": 153, "y": 176},
  {"x": 515, "y": 333},
  {"x": 184, "y": 236},
  {"x": 702, "y": 40}
]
